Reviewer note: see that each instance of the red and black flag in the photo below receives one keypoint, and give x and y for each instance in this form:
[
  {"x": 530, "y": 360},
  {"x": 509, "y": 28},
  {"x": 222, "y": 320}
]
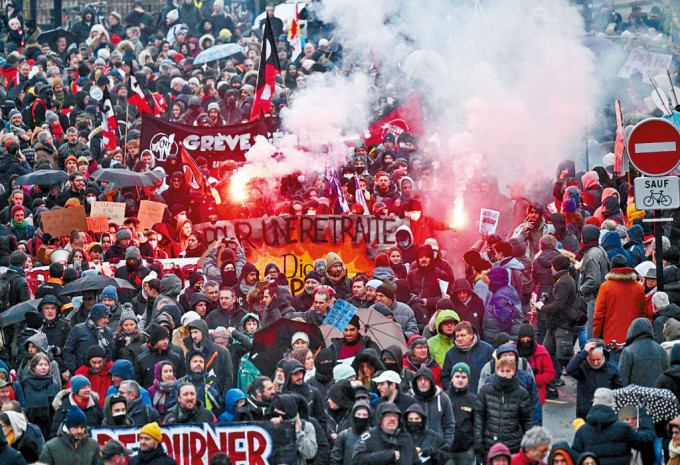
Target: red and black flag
[
  {"x": 109, "y": 123},
  {"x": 192, "y": 173},
  {"x": 141, "y": 98},
  {"x": 266, "y": 75}
]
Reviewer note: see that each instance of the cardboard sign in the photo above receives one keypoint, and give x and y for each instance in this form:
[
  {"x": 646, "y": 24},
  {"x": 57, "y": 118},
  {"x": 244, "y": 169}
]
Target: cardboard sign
[
  {"x": 114, "y": 211},
  {"x": 61, "y": 222},
  {"x": 649, "y": 64},
  {"x": 149, "y": 214},
  {"x": 256, "y": 443},
  {"x": 488, "y": 221},
  {"x": 97, "y": 224}
]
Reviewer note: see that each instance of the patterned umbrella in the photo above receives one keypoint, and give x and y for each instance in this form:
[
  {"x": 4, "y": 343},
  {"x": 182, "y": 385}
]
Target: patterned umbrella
[{"x": 661, "y": 404}]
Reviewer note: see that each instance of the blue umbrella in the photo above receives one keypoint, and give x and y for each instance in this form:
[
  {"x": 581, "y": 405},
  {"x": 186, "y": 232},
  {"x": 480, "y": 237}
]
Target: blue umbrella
[{"x": 217, "y": 52}]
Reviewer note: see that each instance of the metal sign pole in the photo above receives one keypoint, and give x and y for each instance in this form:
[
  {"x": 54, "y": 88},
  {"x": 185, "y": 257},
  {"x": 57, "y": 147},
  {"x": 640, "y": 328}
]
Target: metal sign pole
[{"x": 658, "y": 253}]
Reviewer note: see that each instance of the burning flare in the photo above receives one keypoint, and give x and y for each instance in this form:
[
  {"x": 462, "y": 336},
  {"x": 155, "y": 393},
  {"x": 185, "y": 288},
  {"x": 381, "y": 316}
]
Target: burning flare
[{"x": 459, "y": 219}]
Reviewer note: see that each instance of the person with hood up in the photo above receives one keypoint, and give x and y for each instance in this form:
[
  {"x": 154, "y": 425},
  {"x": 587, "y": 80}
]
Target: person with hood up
[
  {"x": 40, "y": 389},
  {"x": 294, "y": 383},
  {"x": 635, "y": 246},
  {"x": 462, "y": 404},
  {"x": 164, "y": 382},
  {"x": 468, "y": 348},
  {"x": 386, "y": 443},
  {"x": 611, "y": 243},
  {"x": 34, "y": 345},
  {"x": 97, "y": 372},
  {"x": 418, "y": 356},
  {"x": 85, "y": 335},
  {"x": 351, "y": 341},
  {"x": 561, "y": 454},
  {"x": 345, "y": 441},
  {"x": 537, "y": 355},
  {"x": 620, "y": 300},
  {"x": 117, "y": 251},
  {"x": 322, "y": 379},
  {"x": 663, "y": 312},
  {"x": 504, "y": 313},
  {"x": 425, "y": 276},
  {"x": 591, "y": 369},
  {"x": 284, "y": 407},
  {"x": 429, "y": 442},
  {"x": 157, "y": 349},
  {"x": 642, "y": 360},
  {"x": 242, "y": 341},
  {"x": 71, "y": 444},
  {"x": 115, "y": 411},
  {"x": 468, "y": 305},
  {"x": 203, "y": 380},
  {"x": 542, "y": 276},
  {"x": 10, "y": 456},
  {"x": 392, "y": 358},
  {"x": 594, "y": 269},
  {"x": 564, "y": 235},
  {"x": 435, "y": 403},
  {"x": 79, "y": 395},
  {"x": 199, "y": 339},
  {"x": 502, "y": 411},
  {"x": 248, "y": 278},
  {"x": 405, "y": 243},
  {"x": 592, "y": 192},
  {"x": 177, "y": 193},
  {"x": 670, "y": 379},
  {"x": 340, "y": 399},
  {"x": 123, "y": 370},
  {"x": 533, "y": 228},
  {"x": 382, "y": 270},
  {"x": 671, "y": 334},
  {"x": 365, "y": 364},
  {"x": 134, "y": 273},
  {"x": 515, "y": 266},
  {"x": 607, "y": 437},
  {"x": 446, "y": 320},
  {"x": 233, "y": 399},
  {"x": 499, "y": 454},
  {"x": 336, "y": 276}
]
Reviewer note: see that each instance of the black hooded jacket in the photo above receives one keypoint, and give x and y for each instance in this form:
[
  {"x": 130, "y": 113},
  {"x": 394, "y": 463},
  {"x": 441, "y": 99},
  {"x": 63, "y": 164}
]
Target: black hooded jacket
[
  {"x": 315, "y": 403},
  {"x": 564, "y": 235},
  {"x": 463, "y": 406},
  {"x": 343, "y": 446},
  {"x": 221, "y": 365}
]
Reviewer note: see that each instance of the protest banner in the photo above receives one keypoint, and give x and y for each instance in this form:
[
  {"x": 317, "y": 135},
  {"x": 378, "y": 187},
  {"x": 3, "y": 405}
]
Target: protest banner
[
  {"x": 256, "y": 443},
  {"x": 649, "y": 64},
  {"x": 97, "y": 224},
  {"x": 114, "y": 211},
  {"x": 218, "y": 144},
  {"x": 339, "y": 315},
  {"x": 149, "y": 214},
  {"x": 294, "y": 242},
  {"x": 407, "y": 117},
  {"x": 488, "y": 221},
  {"x": 61, "y": 222}
]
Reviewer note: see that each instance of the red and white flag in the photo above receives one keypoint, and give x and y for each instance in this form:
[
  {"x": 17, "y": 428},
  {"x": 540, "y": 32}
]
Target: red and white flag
[
  {"x": 294, "y": 38},
  {"x": 407, "y": 117},
  {"x": 139, "y": 97},
  {"x": 192, "y": 173},
  {"x": 109, "y": 123},
  {"x": 266, "y": 74}
]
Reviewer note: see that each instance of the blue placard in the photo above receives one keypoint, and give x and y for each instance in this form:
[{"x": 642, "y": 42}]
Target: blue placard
[{"x": 339, "y": 315}]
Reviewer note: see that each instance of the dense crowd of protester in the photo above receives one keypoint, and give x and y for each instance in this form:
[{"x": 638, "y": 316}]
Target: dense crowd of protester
[{"x": 566, "y": 287}]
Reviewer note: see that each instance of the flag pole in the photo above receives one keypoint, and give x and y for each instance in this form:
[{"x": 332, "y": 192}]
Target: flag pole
[{"x": 127, "y": 113}]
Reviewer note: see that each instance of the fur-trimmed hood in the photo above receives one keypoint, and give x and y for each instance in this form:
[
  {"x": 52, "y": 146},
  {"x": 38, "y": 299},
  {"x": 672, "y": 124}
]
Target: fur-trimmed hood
[
  {"x": 622, "y": 274},
  {"x": 58, "y": 401}
]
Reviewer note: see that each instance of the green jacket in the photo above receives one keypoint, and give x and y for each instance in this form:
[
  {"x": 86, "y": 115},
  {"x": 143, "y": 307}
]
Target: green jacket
[
  {"x": 440, "y": 344},
  {"x": 65, "y": 450}
]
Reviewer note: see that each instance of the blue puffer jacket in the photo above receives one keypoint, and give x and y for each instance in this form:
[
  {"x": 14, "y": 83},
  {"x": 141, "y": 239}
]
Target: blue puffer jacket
[
  {"x": 611, "y": 243},
  {"x": 504, "y": 312},
  {"x": 635, "y": 247},
  {"x": 611, "y": 440}
]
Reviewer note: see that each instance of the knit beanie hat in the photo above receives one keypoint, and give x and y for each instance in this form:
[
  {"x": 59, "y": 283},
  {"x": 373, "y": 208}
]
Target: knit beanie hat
[
  {"x": 34, "y": 320},
  {"x": 95, "y": 351},
  {"x": 343, "y": 371},
  {"x": 188, "y": 317},
  {"x": 156, "y": 333},
  {"x": 299, "y": 335},
  {"x": 132, "y": 253},
  {"x": 603, "y": 396},
  {"x": 444, "y": 304},
  {"x": 18, "y": 258},
  {"x": 99, "y": 311},
  {"x": 660, "y": 300},
  {"x": 460, "y": 367},
  {"x": 75, "y": 417},
  {"x": 333, "y": 259},
  {"x": 342, "y": 393},
  {"x": 619, "y": 261},
  {"x": 109, "y": 292},
  {"x": 123, "y": 233},
  {"x": 560, "y": 263},
  {"x": 127, "y": 314},
  {"x": 313, "y": 275},
  {"x": 386, "y": 291},
  {"x": 374, "y": 283},
  {"x": 382, "y": 260},
  {"x": 569, "y": 206},
  {"x": 78, "y": 382},
  {"x": 153, "y": 430},
  {"x": 501, "y": 338}
]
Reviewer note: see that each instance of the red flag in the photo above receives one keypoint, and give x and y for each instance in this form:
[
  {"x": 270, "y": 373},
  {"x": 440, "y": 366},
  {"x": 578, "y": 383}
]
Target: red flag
[
  {"x": 407, "y": 117},
  {"x": 620, "y": 142},
  {"x": 266, "y": 74},
  {"x": 160, "y": 105},
  {"x": 109, "y": 123},
  {"x": 139, "y": 97},
  {"x": 192, "y": 174}
]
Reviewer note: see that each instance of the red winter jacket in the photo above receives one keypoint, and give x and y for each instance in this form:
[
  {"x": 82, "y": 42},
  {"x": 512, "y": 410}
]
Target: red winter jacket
[
  {"x": 520, "y": 458},
  {"x": 100, "y": 381},
  {"x": 432, "y": 365},
  {"x": 543, "y": 369}
]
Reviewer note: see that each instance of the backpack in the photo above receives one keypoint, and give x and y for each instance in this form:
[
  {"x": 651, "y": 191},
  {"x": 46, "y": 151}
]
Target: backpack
[
  {"x": 247, "y": 372},
  {"x": 5, "y": 293}
]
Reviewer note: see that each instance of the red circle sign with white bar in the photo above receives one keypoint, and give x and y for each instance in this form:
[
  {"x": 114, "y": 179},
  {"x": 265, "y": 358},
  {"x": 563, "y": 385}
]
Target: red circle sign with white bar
[{"x": 654, "y": 146}]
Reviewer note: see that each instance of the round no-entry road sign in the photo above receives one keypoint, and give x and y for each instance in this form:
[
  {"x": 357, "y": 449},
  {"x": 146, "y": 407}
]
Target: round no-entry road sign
[{"x": 654, "y": 146}]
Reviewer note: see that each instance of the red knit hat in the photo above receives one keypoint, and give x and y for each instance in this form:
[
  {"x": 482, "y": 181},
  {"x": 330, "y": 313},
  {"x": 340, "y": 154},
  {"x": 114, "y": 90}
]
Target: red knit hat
[{"x": 382, "y": 260}]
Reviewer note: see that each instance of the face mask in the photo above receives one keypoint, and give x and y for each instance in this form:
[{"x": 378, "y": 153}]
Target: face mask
[
  {"x": 132, "y": 265},
  {"x": 403, "y": 244},
  {"x": 119, "y": 418},
  {"x": 394, "y": 366},
  {"x": 325, "y": 368},
  {"x": 348, "y": 176},
  {"x": 361, "y": 423},
  {"x": 153, "y": 243},
  {"x": 414, "y": 426},
  {"x": 91, "y": 199}
]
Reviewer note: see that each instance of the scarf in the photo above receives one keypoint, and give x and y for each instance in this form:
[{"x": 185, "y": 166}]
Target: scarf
[
  {"x": 99, "y": 334},
  {"x": 586, "y": 247},
  {"x": 466, "y": 347},
  {"x": 674, "y": 450},
  {"x": 21, "y": 225}
]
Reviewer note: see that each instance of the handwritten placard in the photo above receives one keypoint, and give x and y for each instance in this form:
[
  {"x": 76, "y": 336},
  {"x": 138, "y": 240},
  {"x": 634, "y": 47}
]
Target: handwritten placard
[
  {"x": 149, "y": 214},
  {"x": 114, "y": 211},
  {"x": 61, "y": 222}
]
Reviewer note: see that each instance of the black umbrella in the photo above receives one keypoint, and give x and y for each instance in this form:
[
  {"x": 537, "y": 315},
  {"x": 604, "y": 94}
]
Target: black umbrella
[
  {"x": 42, "y": 178},
  {"x": 94, "y": 283},
  {"x": 271, "y": 342},
  {"x": 156, "y": 175},
  {"x": 50, "y": 38},
  {"x": 15, "y": 91},
  {"x": 16, "y": 313},
  {"x": 122, "y": 177}
]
